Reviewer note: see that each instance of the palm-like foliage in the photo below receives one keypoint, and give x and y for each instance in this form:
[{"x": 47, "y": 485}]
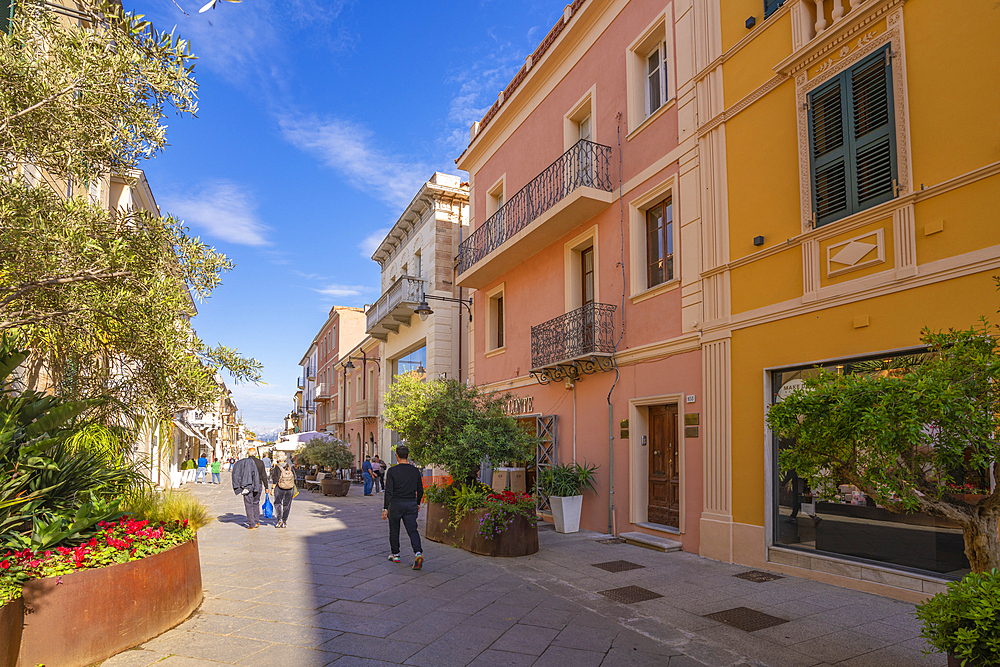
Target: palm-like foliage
[{"x": 53, "y": 486}]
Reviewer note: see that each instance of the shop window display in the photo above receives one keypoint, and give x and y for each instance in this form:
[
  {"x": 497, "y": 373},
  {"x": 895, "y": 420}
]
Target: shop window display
[{"x": 841, "y": 521}]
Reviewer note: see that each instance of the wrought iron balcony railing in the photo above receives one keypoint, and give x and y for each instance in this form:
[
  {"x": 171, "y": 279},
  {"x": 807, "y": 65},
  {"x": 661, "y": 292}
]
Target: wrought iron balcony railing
[
  {"x": 586, "y": 164},
  {"x": 579, "y": 342}
]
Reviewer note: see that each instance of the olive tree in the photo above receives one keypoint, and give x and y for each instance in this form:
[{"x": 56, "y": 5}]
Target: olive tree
[
  {"x": 101, "y": 297},
  {"x": 902, "y": 436},
  {"x": 448, "y": 424}
]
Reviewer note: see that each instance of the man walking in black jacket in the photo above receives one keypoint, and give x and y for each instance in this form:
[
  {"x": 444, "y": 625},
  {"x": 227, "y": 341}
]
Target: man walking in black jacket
[
  {"x": 404, "y": 489},
  {"x": 249, "y": 480}
]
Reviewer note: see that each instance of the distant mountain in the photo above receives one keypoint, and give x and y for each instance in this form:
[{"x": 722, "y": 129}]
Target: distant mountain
[{"x": 266, "y": 434}]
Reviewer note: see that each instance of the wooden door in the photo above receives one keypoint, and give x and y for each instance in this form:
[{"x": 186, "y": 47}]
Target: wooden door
[{"x": 664, "y": 471}]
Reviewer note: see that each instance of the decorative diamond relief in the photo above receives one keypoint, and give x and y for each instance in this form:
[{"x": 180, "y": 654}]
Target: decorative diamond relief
[
  {"x": 856, "y": 253},
  {"x": 852, "y": 253}
]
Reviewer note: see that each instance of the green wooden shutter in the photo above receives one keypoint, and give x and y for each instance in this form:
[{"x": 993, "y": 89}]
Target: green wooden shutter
[
  {"x": 828, "y": 151},
  {"x": 873, "y": 136}
]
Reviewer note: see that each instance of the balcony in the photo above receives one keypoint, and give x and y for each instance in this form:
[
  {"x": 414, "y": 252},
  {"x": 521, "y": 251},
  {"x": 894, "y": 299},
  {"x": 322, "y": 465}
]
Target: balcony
[
  {"x": 573, "y": 189},
  {"x": 366, "y": 408},
  {"x": 394, "y": 308},
  {"x": 301, "y": 384},
  {"x": 578, "y": 343},
  {"x": 323, "y": 392}
]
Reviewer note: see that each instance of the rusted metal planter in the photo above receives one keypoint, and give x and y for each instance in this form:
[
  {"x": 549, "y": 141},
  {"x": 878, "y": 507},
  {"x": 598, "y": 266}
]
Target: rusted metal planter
[
  {"x": 88, "y": 616},
  {"x": 521, "y": 539},
  {"x": 11, "y": 617},
  {"x": 335, "y": 487}
]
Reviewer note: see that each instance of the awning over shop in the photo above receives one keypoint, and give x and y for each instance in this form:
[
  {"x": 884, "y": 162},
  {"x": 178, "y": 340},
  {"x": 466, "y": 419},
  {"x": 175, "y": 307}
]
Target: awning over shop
[
  {"x": 292, "y": 441},
  {"x": 191, "y": 431}
]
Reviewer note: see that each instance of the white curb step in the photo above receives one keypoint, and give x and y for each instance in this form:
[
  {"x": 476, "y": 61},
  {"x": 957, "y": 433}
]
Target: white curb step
[{"x": 651, "y": 542}]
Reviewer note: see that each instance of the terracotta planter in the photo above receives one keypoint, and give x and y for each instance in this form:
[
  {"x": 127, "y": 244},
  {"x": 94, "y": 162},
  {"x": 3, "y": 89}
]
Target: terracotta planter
[
  {"x": 521, "y": 539},
  {"x": 86, "y": 617},
  {"x": 335, "y": 487},
  {"x": 11, "y": 618},
  {"x": 972, "y": 498}
]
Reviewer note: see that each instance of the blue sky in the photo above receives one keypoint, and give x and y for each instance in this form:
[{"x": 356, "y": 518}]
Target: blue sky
[{"x": 317, "y": 122}]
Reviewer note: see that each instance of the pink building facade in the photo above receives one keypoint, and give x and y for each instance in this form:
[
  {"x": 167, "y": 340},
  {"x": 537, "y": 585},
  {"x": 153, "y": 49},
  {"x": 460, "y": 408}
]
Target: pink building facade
[{"x": 584, "y": 260}]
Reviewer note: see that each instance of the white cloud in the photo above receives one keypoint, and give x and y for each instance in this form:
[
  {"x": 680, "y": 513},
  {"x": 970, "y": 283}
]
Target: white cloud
[
  {"x": 370, "y": 244},
  {"x": 341, "y": 291},
  {"x": 221, "y": 209},
  {"x": 261, "y": 408},
  {"x": 347, "y": 148}
]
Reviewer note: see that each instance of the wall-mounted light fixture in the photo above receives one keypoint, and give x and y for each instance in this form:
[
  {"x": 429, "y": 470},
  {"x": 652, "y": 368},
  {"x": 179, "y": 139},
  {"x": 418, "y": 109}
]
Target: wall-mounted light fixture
[
  {"x": 751, "y": 22},
  {"x": 758, "y": 240}
]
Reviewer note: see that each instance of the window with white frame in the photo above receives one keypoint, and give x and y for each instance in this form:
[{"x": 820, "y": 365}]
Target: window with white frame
[
  {"x": 495, "y": 197},
  {"x": 656, "y": 78},
  {"x": 649, "y": 70},
  {"x": 495, "y": 319},
  {"x": 653, "y": 255}
]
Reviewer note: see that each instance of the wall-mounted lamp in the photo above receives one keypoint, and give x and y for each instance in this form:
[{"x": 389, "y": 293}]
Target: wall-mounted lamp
[
  {"x": 751, "y": 22},
  {"x": 758, "y": 240},
  {"x": 423, "y": 309}
]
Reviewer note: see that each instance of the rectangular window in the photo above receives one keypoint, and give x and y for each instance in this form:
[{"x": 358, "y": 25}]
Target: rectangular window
[
  {"x": 499, "y": 316},
  {"x": 659, "y": 243},
  {"x": 656, "y": 78},
  {"x": 587, "y": 275},
  {"x": 6, "y": 14},
  {"x": 771, "y": 6},
  {"x": 852, "y": 140}
]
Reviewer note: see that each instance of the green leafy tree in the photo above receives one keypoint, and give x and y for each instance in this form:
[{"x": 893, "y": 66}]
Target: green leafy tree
[
  {"x": 329, "y": 452},
  {"x": 102, "y": 298},
  {"x": 904, "y": 435},
  {"x": 447, "y": 424}
]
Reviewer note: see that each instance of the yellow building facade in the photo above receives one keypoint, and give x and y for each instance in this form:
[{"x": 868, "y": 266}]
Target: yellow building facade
[{"x": 850, "y": 171}]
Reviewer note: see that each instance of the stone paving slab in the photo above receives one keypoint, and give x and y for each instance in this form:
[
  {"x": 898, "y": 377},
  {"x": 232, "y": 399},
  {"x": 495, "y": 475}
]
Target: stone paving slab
[{"x": 321, "y": 593}]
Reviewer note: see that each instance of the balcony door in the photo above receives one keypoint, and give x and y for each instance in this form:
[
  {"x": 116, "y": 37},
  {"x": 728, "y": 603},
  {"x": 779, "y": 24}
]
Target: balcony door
[
  {"x": 664, "y": 471},
  {"x": 585, "y": 158},
  {"x": 588, "y": 328}
]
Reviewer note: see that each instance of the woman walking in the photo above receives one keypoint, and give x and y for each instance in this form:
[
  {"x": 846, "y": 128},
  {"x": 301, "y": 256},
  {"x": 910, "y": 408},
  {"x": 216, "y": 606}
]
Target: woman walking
[{"x": 283, "y": 478}]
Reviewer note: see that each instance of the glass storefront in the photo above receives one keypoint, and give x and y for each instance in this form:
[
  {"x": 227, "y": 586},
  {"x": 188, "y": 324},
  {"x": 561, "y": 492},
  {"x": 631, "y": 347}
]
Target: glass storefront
[{"x": 843, "y": 521}]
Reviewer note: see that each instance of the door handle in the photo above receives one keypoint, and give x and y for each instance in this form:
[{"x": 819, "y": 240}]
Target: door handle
[{"x": 656, "y": 452}]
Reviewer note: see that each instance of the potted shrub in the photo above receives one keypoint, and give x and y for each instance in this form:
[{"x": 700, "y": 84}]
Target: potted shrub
[
  {"x": 334, "y": 454},
  {"x": 964, "y": 622},
  {"x": 564, "y": 485}
]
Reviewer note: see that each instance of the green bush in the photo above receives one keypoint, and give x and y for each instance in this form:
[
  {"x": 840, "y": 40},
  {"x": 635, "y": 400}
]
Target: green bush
[
  {"x": 59, "y": 476},
  {"x": 328, "y": 452},
  {"x": 168, "y": 506},
  {"x": 965, "y": 621},
  {"x": 566, "y": 479},
  {"x": 447, "y": 424}
]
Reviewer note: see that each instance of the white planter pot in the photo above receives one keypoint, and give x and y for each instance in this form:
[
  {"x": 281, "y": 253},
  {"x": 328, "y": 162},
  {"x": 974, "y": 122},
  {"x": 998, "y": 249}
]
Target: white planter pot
[{"x": 566, "y": 513}]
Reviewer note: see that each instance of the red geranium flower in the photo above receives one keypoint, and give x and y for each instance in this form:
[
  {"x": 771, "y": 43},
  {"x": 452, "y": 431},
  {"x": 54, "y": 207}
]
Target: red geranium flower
[{"x": 4, "y": 564}]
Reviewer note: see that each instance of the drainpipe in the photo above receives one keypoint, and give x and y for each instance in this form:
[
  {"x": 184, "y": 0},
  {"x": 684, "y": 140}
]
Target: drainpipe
[
  {"x": 454, "y": 273},
  {"x": 611, "y": 471}
]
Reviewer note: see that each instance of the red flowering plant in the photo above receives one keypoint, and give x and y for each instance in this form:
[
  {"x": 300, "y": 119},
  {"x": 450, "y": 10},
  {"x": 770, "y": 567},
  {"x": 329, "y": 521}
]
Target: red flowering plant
[
  {"x": 120, "y": 541},
  {"x": 501, "y": 510}
]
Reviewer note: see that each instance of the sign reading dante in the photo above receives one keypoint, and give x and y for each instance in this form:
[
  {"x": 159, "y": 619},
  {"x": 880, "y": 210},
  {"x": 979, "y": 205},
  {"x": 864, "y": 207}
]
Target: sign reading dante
[{"x": 523, "y": 405}]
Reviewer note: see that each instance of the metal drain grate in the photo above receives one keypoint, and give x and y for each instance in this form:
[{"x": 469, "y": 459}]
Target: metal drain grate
[
  {"x": 618, "y": 566},
  {"x": 630, "y": 594},
  {"x": 757, "y": 576},
  {"x": 746, "y": 619},
  {"x": 612, "y": 540}
]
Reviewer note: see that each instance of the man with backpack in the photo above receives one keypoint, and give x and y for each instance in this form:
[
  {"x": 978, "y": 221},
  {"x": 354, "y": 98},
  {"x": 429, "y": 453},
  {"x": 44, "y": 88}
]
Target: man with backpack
[
  {"x": 404, "y": 489},
  {"x": 283, "y": 478}
]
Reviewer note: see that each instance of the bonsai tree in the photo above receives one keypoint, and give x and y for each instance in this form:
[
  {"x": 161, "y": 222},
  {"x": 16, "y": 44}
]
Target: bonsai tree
[
  {"x": 329, "y": 452},
  {"x": 903, "y": 436},
  {"x": 455, "y": 427}
]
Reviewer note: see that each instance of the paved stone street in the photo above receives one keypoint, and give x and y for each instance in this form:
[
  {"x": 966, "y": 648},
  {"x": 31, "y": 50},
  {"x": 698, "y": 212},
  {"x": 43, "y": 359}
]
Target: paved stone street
[{"x": 322, "y": 593}]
